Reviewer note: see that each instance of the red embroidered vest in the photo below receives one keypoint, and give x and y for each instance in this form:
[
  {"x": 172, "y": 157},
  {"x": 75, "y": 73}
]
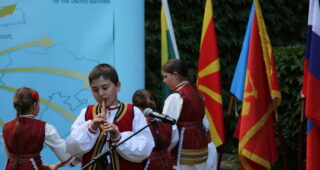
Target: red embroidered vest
[
  {"x": 24, "y": 142},
  {"x": 123, "y": 119},
  {"x": 194, "y": 145},
  {"x": 160, "y": 158}
]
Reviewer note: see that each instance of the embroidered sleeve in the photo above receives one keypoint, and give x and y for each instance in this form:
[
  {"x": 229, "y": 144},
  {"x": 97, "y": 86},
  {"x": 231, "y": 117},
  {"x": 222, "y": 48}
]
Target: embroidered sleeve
[
  {"x": 81, "y": 140},
  {"x": 57, "y": 145},
  {"x": 173, "y": 105},
  {"x": 174, "y": 137}
]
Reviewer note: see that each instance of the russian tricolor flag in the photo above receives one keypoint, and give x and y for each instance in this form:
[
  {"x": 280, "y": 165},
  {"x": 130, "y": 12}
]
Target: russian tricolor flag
[{"x": 311, "y": 84}]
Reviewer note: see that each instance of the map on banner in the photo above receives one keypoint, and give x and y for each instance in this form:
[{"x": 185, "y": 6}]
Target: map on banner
[{"x": 50, "y": 46}]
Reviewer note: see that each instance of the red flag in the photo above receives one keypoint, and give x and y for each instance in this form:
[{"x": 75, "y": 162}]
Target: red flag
[
  {"x": 209, "y": 76},
  {"x": 257, "y": 142}
]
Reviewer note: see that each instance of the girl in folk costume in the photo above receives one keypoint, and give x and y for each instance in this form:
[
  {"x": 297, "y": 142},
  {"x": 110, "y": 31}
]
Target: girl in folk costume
[
  {"x": 165, "y": 135},
  {"x": 109, "y": 123},
  {"x": 186, "y": 105},
  {"x": 24, "y": 136}
]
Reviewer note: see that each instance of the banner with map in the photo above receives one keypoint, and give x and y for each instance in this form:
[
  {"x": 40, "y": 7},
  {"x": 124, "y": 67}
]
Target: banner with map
[{"x": 51, "y": 46}]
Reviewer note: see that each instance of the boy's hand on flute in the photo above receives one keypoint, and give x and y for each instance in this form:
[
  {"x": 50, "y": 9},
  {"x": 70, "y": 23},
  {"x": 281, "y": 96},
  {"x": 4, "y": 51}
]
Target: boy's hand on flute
[
  {"x": 100, "y": 119},
  {"x": 113, "y": 129}
]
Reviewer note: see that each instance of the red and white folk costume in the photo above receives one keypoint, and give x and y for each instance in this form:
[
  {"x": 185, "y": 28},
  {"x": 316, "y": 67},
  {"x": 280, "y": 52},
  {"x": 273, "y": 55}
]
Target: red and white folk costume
[
  {"x": 166, "y": 137},
  {"x": 86, "y": 143},
  {"x": 24, "y": 146},
  {"x": 186, "y": 105}
]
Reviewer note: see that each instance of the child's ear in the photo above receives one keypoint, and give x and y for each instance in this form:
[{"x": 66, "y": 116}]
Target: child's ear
[
  {"x": 176, "y": 75},
  {"x": 34, "y": 105},
  {"x": 118, "y": 85}
]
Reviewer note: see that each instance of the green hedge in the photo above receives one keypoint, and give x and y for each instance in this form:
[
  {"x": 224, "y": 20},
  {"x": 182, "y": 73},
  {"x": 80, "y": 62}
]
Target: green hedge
[{"x": 289, "y": 67}]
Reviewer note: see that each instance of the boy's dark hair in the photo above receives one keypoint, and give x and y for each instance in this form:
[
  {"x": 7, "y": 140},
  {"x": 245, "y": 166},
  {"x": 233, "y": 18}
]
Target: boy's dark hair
[
  {"x": 176, "y": 65},
  {"x": 104, "y": 70},
  {"x": 22, "y": 100}
]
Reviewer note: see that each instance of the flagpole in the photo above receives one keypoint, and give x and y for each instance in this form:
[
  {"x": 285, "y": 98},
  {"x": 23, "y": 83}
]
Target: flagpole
[
  {"x": 229, "y": 114},
  {"x": 283, "y": 153},
  {"x": 170, "y": 27},
  {"x": 301, "y": 133}
]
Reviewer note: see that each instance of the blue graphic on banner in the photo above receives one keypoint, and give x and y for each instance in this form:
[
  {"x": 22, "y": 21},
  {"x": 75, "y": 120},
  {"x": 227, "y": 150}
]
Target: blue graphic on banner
[{"x": 51, "y": 46}]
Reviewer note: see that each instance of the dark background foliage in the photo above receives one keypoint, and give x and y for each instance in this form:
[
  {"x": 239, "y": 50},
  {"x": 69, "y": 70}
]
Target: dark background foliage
[{"x": 286, "y": 25}]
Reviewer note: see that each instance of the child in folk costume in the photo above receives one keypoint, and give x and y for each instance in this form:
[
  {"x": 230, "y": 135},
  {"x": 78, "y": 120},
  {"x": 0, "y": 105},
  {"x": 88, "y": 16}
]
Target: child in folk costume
[
  {"x": 24, "y": 136},
  {"x": 165, "y": 135},
  {"x": 186, "y": 105},
  {"x": 108, "y": 123}
]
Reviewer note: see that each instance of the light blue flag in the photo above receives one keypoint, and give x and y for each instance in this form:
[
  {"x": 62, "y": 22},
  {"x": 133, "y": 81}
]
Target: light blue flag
[{"x": 237, "y": 86}]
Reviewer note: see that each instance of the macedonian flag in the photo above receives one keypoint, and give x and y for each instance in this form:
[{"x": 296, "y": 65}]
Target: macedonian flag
[{"x": 208, "y": 82}]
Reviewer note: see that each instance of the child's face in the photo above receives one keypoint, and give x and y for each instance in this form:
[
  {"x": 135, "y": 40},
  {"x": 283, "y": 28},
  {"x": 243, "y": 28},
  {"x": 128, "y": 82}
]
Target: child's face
[
  {"x": 105, "y": 89},
  {"x": 170, "y": 79}
]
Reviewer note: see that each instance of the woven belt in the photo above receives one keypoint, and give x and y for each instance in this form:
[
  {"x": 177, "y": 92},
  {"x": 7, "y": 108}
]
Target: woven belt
[
  {"x": 190, "y": 125},
  {"x": 24, "y": 156},
  {"x": 159, "y": 155}
]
